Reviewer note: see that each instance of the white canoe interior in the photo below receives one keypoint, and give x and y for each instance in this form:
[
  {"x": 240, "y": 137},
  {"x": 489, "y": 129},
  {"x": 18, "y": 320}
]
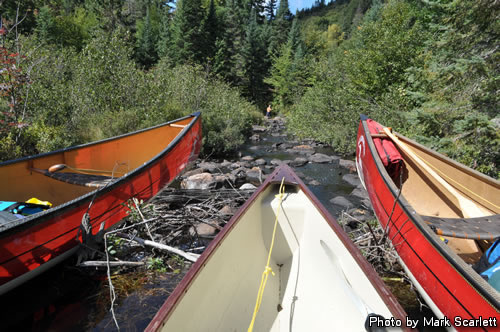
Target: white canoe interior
[{"x": 317, "y": 286}]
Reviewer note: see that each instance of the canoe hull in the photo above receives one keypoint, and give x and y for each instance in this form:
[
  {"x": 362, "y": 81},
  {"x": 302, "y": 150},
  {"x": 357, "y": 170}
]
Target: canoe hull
[
  {"x": 450, "y": 284},
  {"x": 317, "y": 271},
  {"x": 49, "y": 235}
]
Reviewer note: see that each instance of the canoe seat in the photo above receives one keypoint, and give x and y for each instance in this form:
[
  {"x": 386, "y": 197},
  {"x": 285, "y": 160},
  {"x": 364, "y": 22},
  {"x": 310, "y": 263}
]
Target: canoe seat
[
  {"x": 482, "y": 228},
  {"x": 80, "y": 179}
]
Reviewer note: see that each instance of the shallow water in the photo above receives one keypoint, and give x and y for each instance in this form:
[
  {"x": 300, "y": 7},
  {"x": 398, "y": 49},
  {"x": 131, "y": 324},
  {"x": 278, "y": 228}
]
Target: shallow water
[{"x": 67, "y": 298}]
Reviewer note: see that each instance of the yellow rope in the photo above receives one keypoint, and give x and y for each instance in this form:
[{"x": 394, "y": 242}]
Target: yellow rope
[{"x": 267, "y": 269}]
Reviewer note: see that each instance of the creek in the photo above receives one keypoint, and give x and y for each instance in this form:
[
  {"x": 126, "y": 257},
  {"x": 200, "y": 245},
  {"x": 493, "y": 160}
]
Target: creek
[{"x": 72, "y": 298}]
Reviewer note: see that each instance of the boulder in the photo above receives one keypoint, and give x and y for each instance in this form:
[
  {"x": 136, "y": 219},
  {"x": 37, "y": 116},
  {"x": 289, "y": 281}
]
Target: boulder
[
  {"x": 320, "y": 158},
  {"x": 225, "y": 163},
  {"x": 313, "y": 183},
  {"x": 341, "y": 201},
  {"x": 260, "y": 162},
  {"x": 254, "y": 175},
  {"x": 259, "y": 129},
  {"x": 349, "y": 164},
  {"x": 203, "y": 230},
  {"x": 227, "y": 210},
  {"x": 277, "y": 162},
  {"x": 199, "y": 181},
  {"x": 352, "y": 179},
  {"x": 247, "y": 186},
  {"x": 360, "y": 192},
  {"x": 299, "y": 161},
  {"x": 255, "y": 137},
  {"x": 210, "y": 167},
  {"x": 193, "y": 172},
  {"x": 247, "y": 158}
]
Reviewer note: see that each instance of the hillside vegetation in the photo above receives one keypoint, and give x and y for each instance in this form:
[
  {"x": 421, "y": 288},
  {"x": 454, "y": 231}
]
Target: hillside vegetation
[{"x": 75, "y": 71}]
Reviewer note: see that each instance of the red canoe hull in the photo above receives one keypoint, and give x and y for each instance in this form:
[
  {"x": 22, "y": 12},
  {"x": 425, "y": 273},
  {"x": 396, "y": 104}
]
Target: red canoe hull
[
  {"x": 33, "y": 246},
  {"x": 450, "y": 290}
]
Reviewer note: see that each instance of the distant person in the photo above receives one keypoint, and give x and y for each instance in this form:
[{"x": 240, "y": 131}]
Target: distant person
[{"x": 268, "y": 111}]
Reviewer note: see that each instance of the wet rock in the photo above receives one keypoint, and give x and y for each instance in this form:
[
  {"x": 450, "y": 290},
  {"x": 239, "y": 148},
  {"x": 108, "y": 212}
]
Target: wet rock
[
  {"x": 367, "y": 204},
  {"x": 247, "y": 186},
  {"x": 300, "y": 174},
  {"x": 254, "y": 175},
  {"x": 277, "y": 162},
  {"x": 225, "y": 163},
  {"x": 260, "y": 162},
  {"x": 360, "y": 192},
  {"x": 193, "y": 172},
  {"x": 320, "y": 158},
  {"x": 341, "y": 201},
  {"x": 254, "y": 148},
  {"x": 210, "y": 167},
  {"x": 225, "y": 180},
  {"x": 349, "y": 164},
  {"x": 248, "y": 158},
  {"x": 352, "y": 179},
  {"x": 199, "y": 181},
  {"x": 259, "y": 129},
  {"x": 227, "y": 210},
  {"x": 301, "y": 149},
  {"x": 313, "y": 183},
  {"x": 299, "y": 161},
  {"x": 255, "y": 137},
  {"x": 203, "y": 230},
  {"x": 240, "y": 164},
  {"x": 239, "y": 172}
]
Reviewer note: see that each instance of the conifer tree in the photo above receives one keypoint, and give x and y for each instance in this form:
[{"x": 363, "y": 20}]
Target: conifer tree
[
  {"x": 164, "y": 44},
  {"x": 210, "y": 28},
  {"x": 270, "y": 10},
  {"x": 280, "y": 28},
  {"x": 188, "y": 40},
  {"x": 146, "y": 42}
]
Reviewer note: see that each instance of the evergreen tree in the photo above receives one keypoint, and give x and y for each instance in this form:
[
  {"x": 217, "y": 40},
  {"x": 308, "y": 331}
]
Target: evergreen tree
[
  {"x": 164, "y": 45},
  {"x": 147, "y": 39},
  {"x": 188, "y": 40},
  {"x": 281, "y": 26},
  {"x": 45, "y": 25},
  {"x": 210, "y": 28},
  {"x": 270, "y": 9}
]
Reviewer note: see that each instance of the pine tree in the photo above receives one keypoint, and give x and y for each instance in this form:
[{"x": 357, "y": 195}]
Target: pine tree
[
  {"x": 281, "y": 27},
  {"x": 270, "y": 10},
  {"x": 187, "y": 36},
  {"x": 45, "y": 25},
  {"x": 210, "y": 28},
  {"x": 146, "y": 42},
  {"x": 164, "y": 44}
]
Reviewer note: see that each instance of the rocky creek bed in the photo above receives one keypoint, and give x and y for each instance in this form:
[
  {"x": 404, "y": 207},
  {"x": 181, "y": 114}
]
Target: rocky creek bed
[{"x": 186, "y": 216}]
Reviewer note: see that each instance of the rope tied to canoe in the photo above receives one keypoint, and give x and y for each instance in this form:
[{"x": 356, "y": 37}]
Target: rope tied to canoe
[{"x": 267, "y": 269}]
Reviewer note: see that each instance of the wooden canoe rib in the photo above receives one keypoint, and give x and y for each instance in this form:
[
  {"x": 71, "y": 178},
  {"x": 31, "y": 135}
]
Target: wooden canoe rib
[
  {"x": 425, "y": 210},
  {"x": 146, "y": 161},
  {"x": 321, "y": 282}
]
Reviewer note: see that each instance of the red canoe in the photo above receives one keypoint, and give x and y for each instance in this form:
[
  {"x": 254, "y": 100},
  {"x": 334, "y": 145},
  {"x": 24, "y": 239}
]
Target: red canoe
[
  {"x": 98, "y": 178},
  {"x": 441, "y": 217}
]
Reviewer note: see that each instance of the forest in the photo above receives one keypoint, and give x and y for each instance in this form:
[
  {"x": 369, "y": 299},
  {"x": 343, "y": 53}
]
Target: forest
[{"x": 74, "y": 71}]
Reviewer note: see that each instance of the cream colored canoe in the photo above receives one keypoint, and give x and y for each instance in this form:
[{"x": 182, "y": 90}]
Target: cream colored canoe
[{"x": 321, "y": 281}]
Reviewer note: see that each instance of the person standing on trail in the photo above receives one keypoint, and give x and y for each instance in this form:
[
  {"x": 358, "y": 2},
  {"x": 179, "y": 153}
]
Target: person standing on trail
[{"x": 268, "y": 111}]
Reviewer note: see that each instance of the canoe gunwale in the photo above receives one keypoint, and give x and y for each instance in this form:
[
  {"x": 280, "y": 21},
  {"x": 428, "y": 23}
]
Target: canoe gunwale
[
  {"x": 43, "y": 216},
  {"x": 283, "y": 171},
  {"x": 467, "y": 273}
]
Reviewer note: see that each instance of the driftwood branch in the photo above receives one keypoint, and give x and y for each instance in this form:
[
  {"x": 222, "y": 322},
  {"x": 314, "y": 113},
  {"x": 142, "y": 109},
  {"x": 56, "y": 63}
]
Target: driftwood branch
[
  {"x": 189, "y": 256},
  {"x": 111, "y": 263}
]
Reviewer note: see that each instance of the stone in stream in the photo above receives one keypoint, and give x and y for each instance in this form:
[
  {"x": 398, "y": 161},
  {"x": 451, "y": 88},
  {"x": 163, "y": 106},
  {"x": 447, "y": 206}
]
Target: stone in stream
[
  {"x": 341, "y": 201},
  {"x": 313, "y": 183},
  {"x": 360, "y": 192},
  {"x": 225, "y": 163},
  {"x": 202, "y": 230},
  {"x": 247, "y": 186},
  {"x": 210, "y": 167},
  {"x": 248, "y": 158},
  {"x": 277, "y": 162},
  {"x": 227, "y": 210},
  {"x": 225, "y": 180},
  {"x": 254, "y": 175},
  {"x": 240, "y": 164},
  {"x": 260, "y": 161},
  {"x": 349, "y": 164},
  {"x": 352, "y": 179},
  {"x": 299, "y": 161},
  {"x": 301, "y": 149},
  {"x": 259, "y": 129},
  {"x": 255, "y": 137},
  {"x": 239, "y": 172},
  {"x": 199, "y": 181},
  {"x": 320, "y": 158},
  {"x": 193, "y": 172},
  {"x": 254, "y": 148}
]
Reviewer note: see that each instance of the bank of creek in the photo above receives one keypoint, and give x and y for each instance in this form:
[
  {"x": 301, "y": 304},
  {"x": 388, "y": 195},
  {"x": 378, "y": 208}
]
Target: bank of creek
[{"x": 187, "y": 215}]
